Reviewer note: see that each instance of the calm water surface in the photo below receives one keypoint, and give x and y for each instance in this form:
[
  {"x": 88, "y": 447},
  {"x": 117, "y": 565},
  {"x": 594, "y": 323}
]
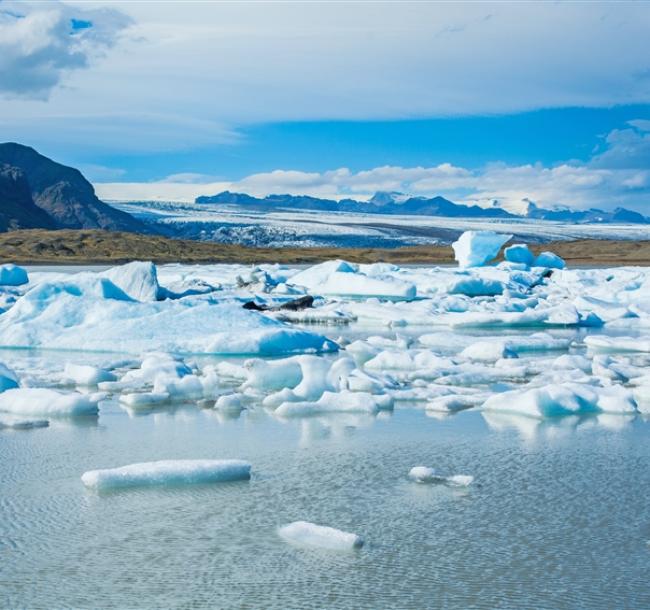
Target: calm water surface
[{"x": 557, "y": 518}]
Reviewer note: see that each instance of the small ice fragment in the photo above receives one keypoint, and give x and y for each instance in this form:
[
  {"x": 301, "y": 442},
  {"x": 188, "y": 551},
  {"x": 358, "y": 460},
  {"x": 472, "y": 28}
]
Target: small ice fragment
[
  {"x": 168, "y": 472},
  {"x": 424, "y": 474},
  {"x": 303, "y": 533},
  {"x": 144, "y": 399},
  {"x": 86, "y": 375},
  {"x": 230, "y": 403}
]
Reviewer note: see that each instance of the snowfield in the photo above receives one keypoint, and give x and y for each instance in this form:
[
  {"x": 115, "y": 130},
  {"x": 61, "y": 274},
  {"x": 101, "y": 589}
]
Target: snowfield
[{"x": 525, "y": 337}]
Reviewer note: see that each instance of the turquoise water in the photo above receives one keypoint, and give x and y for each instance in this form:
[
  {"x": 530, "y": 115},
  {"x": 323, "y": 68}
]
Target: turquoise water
[{"x": 557, "y": 518}]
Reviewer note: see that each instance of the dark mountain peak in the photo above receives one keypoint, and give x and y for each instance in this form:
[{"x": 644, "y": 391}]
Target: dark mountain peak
[{"x": 63, "y": 193}]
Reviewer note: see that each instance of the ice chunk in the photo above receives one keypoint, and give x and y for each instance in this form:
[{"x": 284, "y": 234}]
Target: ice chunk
[
  {"x": 617, "y": 344},
  {"x": 137, "y": 279},
  {"x": 94, "y": 317},
  {"x": 488, "y": 351},
  {"x": 549, "y": 260},
  {"x": 139, "y": 400},
  {"x": 43, "y": 401},
  {"x": 519, "y": 253},
  {"x": 230, "y": 403},
  {"x": 8, "y": 379},
  {"x": 563, "y": 399},
  {"x": 475, "y": 248},
  {"x": 317, "y": 274},
  {"x": 336, "y": 402},
  {"x": 424, "y": 474},
  {"x": 303, "y": 533},
  {"x": 359, "y": 285},
  {"x": 167, "y": 472},
  {"x": 12, "y": 275},
  {"x": 21, "y": 423},
  {"x": 86, "y": 375},
  {"x": 473, "y": 286}
]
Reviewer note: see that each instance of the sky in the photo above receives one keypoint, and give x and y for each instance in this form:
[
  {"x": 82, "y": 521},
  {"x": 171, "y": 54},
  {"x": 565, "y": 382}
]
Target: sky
[{"x": 479, "y": 102}]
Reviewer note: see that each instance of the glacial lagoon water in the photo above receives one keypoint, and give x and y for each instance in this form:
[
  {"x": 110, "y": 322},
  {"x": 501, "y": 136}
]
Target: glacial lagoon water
[{"x": 557, "y": 516}]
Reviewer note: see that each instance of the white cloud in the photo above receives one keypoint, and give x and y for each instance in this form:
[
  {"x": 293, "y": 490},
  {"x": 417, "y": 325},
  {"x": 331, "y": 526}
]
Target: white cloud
[
  {"x": 230, "y": 64},
  {"x": 40, "y": 42}
]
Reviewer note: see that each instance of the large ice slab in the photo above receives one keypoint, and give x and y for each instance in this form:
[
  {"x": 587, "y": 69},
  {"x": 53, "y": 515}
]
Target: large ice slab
[
  {"x": 44, "y": 401},
  {"x": 563, "y": 399},
  {"x": 97, "y": 316},
  {"x": 304, "y": 533},
  {"x": 167, "y": 472}
]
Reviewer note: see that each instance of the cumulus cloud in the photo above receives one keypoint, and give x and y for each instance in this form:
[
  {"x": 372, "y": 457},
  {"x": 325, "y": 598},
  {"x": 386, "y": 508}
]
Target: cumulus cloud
[
  {"x": 616, "y": 177},
  {"x": 40, "y": 42}
]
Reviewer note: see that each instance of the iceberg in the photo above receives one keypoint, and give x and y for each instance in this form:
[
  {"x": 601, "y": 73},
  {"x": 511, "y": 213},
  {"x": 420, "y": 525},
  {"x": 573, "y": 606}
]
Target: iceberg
[
  {"x": 336, "y": 402},
  {"x": 519, "y": 253},
  {"x": 167, "y": 472},
  {"x": 563, "y": 399},
  {"x": 12, "y": 275},
  {"x": 549, "y": 260},
  {"x": 44, "y": 401},
  {"x": 475, "y": 248},
  {"x": 303, "y": 533},
  {"x": 98, "y": 316},
  {"x": 138, "y": 280}
]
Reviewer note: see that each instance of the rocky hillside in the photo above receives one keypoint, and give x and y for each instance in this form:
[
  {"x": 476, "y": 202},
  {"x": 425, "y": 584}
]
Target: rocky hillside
[{"x": 38, "y": 192}]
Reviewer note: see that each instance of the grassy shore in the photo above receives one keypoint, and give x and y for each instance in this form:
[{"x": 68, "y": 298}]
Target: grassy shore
[{"x": 70, "y": 247}]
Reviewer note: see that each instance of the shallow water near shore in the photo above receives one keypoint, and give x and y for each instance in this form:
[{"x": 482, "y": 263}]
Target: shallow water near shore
[{"x": 557, "y": 516}]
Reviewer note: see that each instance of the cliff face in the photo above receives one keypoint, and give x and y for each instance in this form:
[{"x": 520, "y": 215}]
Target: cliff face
[
  {"x": 61, "y": 192},
  {"x": 17, "y": 208}
]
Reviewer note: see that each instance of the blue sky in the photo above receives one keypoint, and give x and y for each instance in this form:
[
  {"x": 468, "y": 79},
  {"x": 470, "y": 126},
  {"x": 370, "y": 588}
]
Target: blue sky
[{"x": 480, "y": 102}]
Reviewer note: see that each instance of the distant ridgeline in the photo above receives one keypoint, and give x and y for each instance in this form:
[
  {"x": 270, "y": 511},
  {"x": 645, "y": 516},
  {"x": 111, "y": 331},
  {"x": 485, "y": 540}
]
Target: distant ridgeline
[
  {"x": 397, "y": 203},
  {"x": 38, "y": 193}
]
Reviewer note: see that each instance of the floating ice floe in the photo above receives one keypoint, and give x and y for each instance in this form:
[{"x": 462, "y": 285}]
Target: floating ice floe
[
  {"x": 336, "y": 402},
  {"x": 424, "y": 474},
  {"x": 21, "y": 423},
  {"x": 475, "y": 248},
  {"x": 167, "y": 472},
  {"x": 86, "y": 375},
  {"x": 563, "y": 399},
  {"x": 95, "y": 315},
  {"x": 617, "y": 344},
  {"x": 44, "y": 401},
  {"x": 303, "y": 533}
]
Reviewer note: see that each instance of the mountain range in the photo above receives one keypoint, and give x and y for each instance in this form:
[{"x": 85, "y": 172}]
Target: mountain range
[
  {"x": 385, "y": 202},
  {"x": 37, "y": 192}
]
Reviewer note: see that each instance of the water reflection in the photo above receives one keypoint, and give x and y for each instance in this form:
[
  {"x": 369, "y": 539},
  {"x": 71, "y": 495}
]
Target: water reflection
[{"x": 530, "y": 428}]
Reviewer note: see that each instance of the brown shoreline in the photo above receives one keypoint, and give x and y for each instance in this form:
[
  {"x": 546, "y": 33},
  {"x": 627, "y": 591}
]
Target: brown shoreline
[{"x": 87, "y": 247}]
